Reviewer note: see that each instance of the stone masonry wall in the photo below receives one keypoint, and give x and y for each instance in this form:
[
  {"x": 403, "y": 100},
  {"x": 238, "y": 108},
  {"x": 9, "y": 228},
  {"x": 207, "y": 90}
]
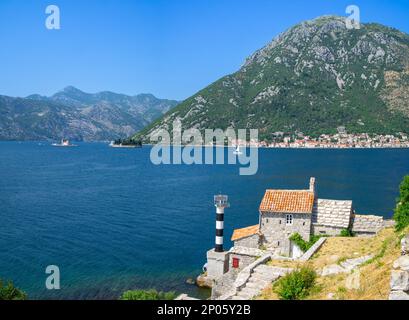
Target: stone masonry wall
[
  {"x": 276, "y": 232},
  {"x": 244, "y": 261},
  {"x": 325, "y": 230},
  {"x": 400, "y": 274},
  {"x": 366, "y": 224},
  {"x": 249, "y": 242}
]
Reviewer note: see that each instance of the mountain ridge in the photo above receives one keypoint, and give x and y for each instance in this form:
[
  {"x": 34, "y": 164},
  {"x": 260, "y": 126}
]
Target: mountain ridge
[
  {"x": 312, "y": 78},
  {"x": 77, "y": 115}
]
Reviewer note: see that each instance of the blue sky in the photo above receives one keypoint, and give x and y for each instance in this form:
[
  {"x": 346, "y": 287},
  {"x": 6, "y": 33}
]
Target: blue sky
[{"x": 171, "y": 48}]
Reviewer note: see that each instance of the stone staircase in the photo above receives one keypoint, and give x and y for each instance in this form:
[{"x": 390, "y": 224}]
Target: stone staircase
[{"x": 261, "y": 278}]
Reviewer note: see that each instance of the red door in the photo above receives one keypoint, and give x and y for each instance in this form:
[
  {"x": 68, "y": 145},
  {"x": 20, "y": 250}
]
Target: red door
[{"x": 236, "y": 263}]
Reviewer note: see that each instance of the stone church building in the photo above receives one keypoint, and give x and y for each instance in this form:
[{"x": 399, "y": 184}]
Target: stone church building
[{"x": 283, "y": 213}]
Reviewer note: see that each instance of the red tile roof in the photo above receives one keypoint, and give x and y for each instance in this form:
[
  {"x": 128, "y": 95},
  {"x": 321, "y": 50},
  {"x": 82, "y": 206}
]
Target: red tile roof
[
  {"x": 288, "y": 201},
  {"x": 245, "y": 232}
]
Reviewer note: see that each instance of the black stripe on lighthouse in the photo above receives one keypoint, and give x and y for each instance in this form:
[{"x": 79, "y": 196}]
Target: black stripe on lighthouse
[{"x": 219, "y": 231}]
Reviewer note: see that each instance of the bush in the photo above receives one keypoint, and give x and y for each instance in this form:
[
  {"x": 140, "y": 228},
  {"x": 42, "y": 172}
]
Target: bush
[
  {"x": 401, "y": 215},
  {"x": 147, "y": 295},
  {"x": 301, "y": 243},
  {"x": 347, "y": 233},
  {"x": 10, "y": 292},
  {"x": 297, "y": 285}
]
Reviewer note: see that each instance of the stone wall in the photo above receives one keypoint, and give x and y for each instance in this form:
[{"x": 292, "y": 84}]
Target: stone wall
[
  {"x": 400, "y": 274},
  {"x": 389, "y": 223},
  {"x": 227, "y": 286},
  {"x": 217, "y": 263},
  {"x": 276, "y": 232},
  {"x": 245, "y": 255},
  {"x": 249, "y": 242},
  {"x": 244, "y": 261},
  {"x": 316, "y": 246},
  {"x": 318, "y": 229},
  {"x": 366, "y": 224}
]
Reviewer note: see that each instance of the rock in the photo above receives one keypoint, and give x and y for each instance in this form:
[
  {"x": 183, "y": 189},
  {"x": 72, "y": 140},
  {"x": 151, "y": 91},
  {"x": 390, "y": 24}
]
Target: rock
[
  {"x": 405, "y": 245},
  {"x": 353, "y": 282},
  {"x": 398, "y": 295},
  {"x": 190, "y": 281},
  {"x": 402, "y": 263},
  {"x": 183, "y": 296},
  {"x": 204, "y": 282},
  {"x": 332, "y": 269},
  {"x": 351, "y": 264},
  {"x": 331, "y": 296},
  {"x": 400, "y": 280}
]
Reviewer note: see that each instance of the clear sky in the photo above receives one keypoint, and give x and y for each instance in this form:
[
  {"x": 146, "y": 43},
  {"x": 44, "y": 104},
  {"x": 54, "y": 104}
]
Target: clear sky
[{"x": 171, "y": 48}]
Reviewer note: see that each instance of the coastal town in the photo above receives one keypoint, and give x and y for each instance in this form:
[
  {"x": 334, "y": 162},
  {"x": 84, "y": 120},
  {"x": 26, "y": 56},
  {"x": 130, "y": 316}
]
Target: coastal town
[{"x": 341, "y": 140}]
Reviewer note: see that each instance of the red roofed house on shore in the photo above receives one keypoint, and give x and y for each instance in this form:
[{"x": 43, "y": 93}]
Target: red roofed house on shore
[{"x": 284, "y": 213}]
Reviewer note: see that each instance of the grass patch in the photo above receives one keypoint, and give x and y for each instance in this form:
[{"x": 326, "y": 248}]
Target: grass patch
[
  {"x": 381, "y": 252},
  {"x": 147, "y": 295},
  {"x": 374, "y": 275},
  {"x": 341, "y": 260}
]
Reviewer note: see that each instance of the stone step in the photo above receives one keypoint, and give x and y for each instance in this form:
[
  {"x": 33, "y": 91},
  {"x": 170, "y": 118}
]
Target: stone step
[
  {"x": 265, "y": 277},
  {"x": 264, "y": 274},
  {"x": 263, "y": 268},
  {"x": 249, "y": 291},
  {"x": 258, "y": 284},
  {"x": 272, "y": 270},
  {"x": 244, "y": 296}
]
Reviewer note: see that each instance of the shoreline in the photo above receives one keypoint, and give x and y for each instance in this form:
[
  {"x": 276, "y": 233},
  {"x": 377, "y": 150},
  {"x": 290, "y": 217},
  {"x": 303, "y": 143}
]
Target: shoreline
[
  {"x": 215, "y": 146},
  {"x": 283, "y": 148}
]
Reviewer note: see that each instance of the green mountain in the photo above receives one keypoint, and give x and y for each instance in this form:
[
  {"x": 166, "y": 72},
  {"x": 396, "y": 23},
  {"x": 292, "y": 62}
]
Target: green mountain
[
  {"x": 313, "y": 78},
  {"x": 77, "y": 115}
]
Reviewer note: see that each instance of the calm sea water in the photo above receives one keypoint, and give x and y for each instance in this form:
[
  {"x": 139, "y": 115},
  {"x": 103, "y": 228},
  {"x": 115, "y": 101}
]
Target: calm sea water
[{"x": 112, "y": 221}]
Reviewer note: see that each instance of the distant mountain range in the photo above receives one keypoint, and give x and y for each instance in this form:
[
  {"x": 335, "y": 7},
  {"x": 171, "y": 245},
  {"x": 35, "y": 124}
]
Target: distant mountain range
[
  {"x": 313, "y": 78},
  {"x": 76, "y": 115}
]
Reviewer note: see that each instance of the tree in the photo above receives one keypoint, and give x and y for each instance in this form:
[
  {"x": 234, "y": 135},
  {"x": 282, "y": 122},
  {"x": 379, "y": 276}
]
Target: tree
[
  {"x": 401, "y": 215},
  {"x": 9, "y": 292}
]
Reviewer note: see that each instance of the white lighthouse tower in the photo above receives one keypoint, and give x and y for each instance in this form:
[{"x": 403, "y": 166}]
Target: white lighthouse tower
[{"x": 217, "y": 259}]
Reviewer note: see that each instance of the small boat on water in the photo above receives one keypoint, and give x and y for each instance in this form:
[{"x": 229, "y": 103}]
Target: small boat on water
[
  {"x": 64, "y": 143},
  {"x": 125, "y": 144}
]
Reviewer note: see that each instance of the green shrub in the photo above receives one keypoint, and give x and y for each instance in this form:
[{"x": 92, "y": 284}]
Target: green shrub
[
  {"x": 10, "y": 292},
  {"x": 147, "y": 295},
  {"x": 401, "y": 215},
  {"x": 347, "y": 233},
  {"x": 302, "y": 244},
  {"x": 296, "y": 285},
  {"x": 299, "y": 241}
]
